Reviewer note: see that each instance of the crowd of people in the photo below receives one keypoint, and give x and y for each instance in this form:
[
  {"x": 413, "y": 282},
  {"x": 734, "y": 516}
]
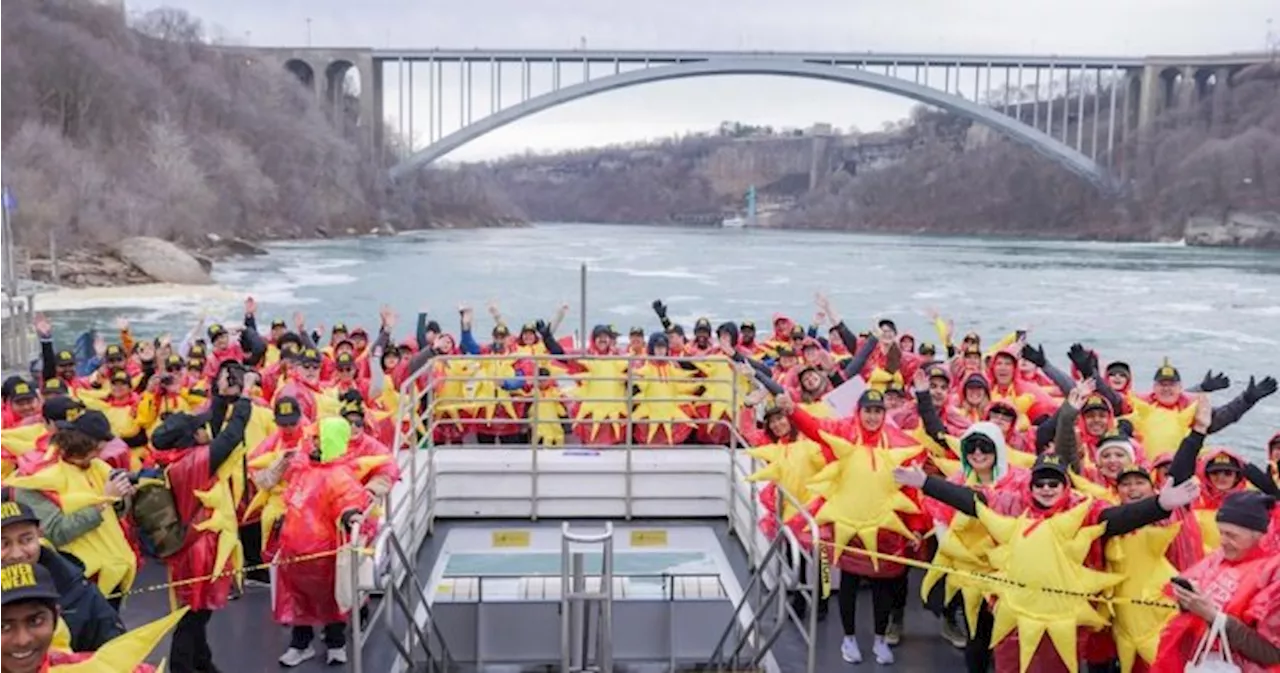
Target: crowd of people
[{"x": 236, "y": 448}]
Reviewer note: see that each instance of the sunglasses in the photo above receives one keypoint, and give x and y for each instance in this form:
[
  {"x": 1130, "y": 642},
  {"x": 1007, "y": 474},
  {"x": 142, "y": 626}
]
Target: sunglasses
[
  {"x": 1046, "y": 483},
  {"x": 983, "y": 446},
  {"x": 175, "y": 369}
]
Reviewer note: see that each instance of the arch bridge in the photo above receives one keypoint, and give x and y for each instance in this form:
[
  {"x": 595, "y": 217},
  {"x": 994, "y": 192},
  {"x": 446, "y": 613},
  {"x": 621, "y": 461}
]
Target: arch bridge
[{"x": 1075, "y": 110}]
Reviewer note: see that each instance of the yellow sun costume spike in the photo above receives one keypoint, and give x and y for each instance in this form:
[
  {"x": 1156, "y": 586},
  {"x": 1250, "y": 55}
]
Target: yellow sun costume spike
[
  {"x": 126, "y": 652},
  {"x": 1036, "y": 555},
  {"x": 964, "y": 547},
  {"x": 790, "y": 467},
  {"x": 489, "y": 393},
  {"x": 452, "y": 399},
  {"x": 1139, "y": 557},
  {"x": 725, "y": 385},
  {"x": 104, "y": 551},
  {"x": 548, "y": 413},
  {"x": 602, "y": 390},
  {"x": 860, "y": 495},
  {"x": 664, "y": 384}
]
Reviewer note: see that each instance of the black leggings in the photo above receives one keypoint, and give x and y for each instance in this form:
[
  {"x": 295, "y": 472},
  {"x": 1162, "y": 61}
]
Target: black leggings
[
  {"x": 884, "y": 593},
  {"x": 977, "y": 652}
]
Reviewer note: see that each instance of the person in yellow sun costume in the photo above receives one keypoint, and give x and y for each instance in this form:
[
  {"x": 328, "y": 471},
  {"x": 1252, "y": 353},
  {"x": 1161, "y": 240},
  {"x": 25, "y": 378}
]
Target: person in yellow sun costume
[
  {"x": 200, "y": 481},
  {"x": 75, "y": 494},
  {"x": 726, "y": 389},
  {"x": 29, "y": 610},
  {"x": 1047, "y": 537},
  {"x": 659, "y": 414},
  {"x": 791, "y": 461},
  {"x": 963, "y": 543},
  {"x": 865, "y": 509}
]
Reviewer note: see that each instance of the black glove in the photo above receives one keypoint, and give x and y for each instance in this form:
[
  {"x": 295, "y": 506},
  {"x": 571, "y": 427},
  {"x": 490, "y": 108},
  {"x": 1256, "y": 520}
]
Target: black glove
[
  {"x": 1256, "y": 392},
  {"x": 1213, "y": 382},
  {"x": 1034, "y": 355},
  {"x": 660, "y": 308},
  {"x": 541, "y": 326},
  {"x": 1080, "y": 358},
  {"x": 1124, "y": 427}
]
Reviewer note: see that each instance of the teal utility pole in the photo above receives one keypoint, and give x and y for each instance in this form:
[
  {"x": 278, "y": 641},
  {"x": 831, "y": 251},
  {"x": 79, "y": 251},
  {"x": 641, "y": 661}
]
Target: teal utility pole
[{"x": 751, "y": 206}]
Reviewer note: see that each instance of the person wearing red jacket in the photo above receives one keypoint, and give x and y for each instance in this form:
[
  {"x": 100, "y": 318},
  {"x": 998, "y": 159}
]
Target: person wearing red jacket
[
  {"x": 888, "y": 580},
  {"x": 202, "y": 569},
  {"x": 324, "y": 499}
]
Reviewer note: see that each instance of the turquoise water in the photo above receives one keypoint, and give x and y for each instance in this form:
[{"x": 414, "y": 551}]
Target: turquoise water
[
  {"x": 547, "y": 564},
  {"x": 1201, "y": 308}
]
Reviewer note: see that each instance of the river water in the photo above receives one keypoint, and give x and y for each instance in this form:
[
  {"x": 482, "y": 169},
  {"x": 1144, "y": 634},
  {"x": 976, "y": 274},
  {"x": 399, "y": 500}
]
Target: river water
[{"x": 1201, "y": 308}]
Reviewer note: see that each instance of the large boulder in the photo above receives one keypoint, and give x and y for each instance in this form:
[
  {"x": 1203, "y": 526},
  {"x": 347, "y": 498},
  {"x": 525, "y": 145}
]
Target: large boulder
[
  {"x": 1235, "y": 230},
  {"x": 163, "y": 261}
]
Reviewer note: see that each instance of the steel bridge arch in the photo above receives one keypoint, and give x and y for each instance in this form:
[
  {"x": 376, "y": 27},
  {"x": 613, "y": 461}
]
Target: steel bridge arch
[{"x": 1042, "y": 143}]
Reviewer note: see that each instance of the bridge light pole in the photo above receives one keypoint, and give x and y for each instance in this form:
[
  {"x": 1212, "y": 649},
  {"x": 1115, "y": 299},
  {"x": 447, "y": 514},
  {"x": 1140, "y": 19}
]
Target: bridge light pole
[{"x": 308, "y": 31}]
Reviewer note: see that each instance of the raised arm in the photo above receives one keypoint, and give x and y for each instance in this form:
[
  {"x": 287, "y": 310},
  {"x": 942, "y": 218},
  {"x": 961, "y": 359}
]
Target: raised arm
[
  {"x": 1232, "y": 411},
  {"x": 1183, "y": 465}
]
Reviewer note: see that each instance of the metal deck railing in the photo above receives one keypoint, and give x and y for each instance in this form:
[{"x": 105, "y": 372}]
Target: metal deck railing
[{"x": 760, "y": 617}]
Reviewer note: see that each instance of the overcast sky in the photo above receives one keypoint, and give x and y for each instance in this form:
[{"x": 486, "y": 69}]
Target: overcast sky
[{"x": 1110, "y": 27}]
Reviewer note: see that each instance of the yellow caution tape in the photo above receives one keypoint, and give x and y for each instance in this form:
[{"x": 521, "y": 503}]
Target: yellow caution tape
[{"x": 366, "y": 551}]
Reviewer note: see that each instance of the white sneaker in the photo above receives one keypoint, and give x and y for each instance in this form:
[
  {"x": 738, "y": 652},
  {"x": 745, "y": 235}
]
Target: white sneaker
[
  {"x": 849, "y": 650},
  {"x": 294, "y": 656},
  {"x": 336, "y": 655},
  {"x": 881, "y": 650}
]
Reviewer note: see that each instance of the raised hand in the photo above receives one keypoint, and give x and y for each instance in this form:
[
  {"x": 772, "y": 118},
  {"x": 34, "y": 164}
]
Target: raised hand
[
  {"x": 122, "y": 324},
  {"x": 250, "y": 306},
  {"x": 909, "y": 476},
  {"x": 146, "y": 351},
  {"x": 43, "y": 328},
  {"x": 659, "y": 308},
  {"x": 921, "y": 380},
  {"x": 99, "y": 345},
  {"x": 299, "y": 321},
  {"x": 1080, "y": 358},
  {"x": 1174, "y": 497},
  {"x": 1214, "y": 382},
  {"x": 1204, "y": 413},
  {"x": 1034, "y": 355},
  {"x": 1256, "y": 392},
  {"x": 1081, "y": 392}
]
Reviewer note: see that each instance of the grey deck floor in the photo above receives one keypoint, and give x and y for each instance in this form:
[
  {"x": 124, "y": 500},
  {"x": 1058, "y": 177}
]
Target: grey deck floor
[{"x": 245, "y": 639}]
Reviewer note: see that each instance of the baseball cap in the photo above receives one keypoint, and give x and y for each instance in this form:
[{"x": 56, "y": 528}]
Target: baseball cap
[
  {"x": 65, "y": 358},
  {"x": 54, "y": 387},
  {"x": 22, "y": 582},
  {"x": 12, "y": 511},
  {"x": 22, "y": 390},
  {"x": 938, "y": 372},
  {"x": 278, "y": 322},
  {"x": 339, "y": 327},
  {"x": 114, "y": 352},
  {"x": 345, "y": 360},
  {"x": 1167, "y": 373},
  {"x": 120, "y": 376},
  {"x": 61, "y": 409},
  {"x": 309, "y": 356},
  {"x": 1095, "y": 402},
  {"x": 871, "y": 399},
  {"x": 92, "y": 423},
  {"x": 287, "y": 411},
  {"x": 702, "y": 325},
  {"x": 1049, "y": 464},
  {"x": 637, "y": 331},
  {"x": 1133, "y": 469},
  {"x": 1223, "y": 463},
  {"x": 216, "y": 330}
]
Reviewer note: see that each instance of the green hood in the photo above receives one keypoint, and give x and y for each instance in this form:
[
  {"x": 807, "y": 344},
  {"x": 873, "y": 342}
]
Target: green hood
[{"x": 334, "y": 435}]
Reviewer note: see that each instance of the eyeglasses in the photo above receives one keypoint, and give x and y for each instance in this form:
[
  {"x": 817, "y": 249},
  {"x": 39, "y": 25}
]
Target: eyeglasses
[{"x": 1046, "y": 483}]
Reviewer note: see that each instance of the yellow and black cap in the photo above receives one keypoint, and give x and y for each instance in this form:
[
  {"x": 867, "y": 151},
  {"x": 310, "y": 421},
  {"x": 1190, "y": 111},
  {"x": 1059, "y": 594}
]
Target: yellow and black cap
[
  {"x": 287, "y": 411},
  {"x": 15, "y": 512},
  {"x": 114, "y": 352},
  {"x": 22, "y": 582},
  {"x": 22, "y": 390},
  {"x": 54, "y": 387},
  {"x": 1223, "y": 462},
  {"x": 1167, "y": 373},
  {"x": 65, "y": 358},
  {"x": 871, "y": 399}
]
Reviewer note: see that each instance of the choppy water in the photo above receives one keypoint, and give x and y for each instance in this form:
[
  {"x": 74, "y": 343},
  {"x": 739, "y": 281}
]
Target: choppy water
[{"x": 1140, "y": 302}]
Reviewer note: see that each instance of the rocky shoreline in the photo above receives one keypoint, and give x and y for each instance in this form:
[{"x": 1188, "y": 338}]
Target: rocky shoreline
[{"x": 144, "y": 260}]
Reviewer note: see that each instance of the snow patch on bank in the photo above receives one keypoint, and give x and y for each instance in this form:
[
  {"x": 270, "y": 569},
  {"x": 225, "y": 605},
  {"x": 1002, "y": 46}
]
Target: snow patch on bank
[{"x": 154, "y": 296}]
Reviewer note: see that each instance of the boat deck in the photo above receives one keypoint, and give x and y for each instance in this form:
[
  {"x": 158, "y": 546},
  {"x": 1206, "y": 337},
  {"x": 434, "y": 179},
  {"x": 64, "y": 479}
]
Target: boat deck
[{"x": 246, "y": 639}]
